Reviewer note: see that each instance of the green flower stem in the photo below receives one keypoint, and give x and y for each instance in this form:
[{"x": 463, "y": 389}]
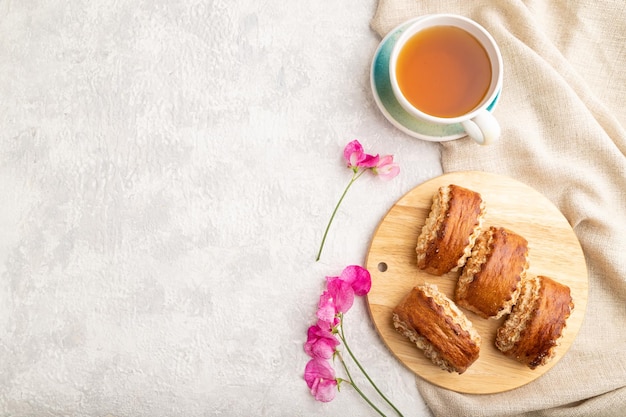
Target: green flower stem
[
  {"x": 345, "y": 343},
  {"x": 355, "y": 176},
  {"x": 351, "y": 381}
]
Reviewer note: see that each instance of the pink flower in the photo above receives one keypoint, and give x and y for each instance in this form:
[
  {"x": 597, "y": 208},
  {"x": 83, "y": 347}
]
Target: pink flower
[
  {"x": 386, "y": 169},
  {"x": 360, "y": 162},
  {"x": 340, "y": 294},
  {"x": 324, "y": 338},
  {"x": 320, "y": 343},
  {"x": 359, "y": 279},
  {"x": 338, "y": 298},
  {"x": 326, "y": 311},
  {"x": 356, "y": 158},
  {"x": 320, "y": 378}
]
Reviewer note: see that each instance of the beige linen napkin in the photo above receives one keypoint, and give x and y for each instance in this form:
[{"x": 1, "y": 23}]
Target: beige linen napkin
[{"x": 563, "y": 112}]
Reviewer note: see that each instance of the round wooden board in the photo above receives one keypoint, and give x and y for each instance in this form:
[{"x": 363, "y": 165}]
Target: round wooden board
[{"x": 554, "y": 251}]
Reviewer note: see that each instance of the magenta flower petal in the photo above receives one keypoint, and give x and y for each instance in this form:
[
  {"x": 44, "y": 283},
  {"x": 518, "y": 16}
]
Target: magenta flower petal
[
  {"x": 369, "y": 161},
  {"x": 385, "y": 160},
  {"x": 359, "y": 279},
  {"x": 341, "y": 293},
  {"x": 320, "y": 343},
  {"x": 326, "y": 309},
  {"x": 356, "y": 158},
  {"x": 353, "y": 153},
  {"x": 328, "y": 325},
  {"x": 389, "y": 172},
  {"x": 320, "y": 378},
  {"x": 386, "y": 169}
]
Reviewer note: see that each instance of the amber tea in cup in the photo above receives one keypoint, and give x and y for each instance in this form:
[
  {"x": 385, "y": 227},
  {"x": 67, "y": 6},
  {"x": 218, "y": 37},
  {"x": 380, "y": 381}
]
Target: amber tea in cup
[
  {"x": 444, "y": 71},
  {"x": 447, "y": 69}
]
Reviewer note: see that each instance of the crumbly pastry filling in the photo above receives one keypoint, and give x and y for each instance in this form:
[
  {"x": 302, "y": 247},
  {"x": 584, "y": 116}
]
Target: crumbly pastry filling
[
  {"x": 438, "y": 209},
  {"x": 510, "y": 332},
  {"x": 472, "y": 238},
  {"x": 479, "y": 254},
  {"x": 508, "y": 306}
]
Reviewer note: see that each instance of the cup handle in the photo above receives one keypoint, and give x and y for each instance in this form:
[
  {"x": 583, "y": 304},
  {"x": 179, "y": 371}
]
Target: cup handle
[{"x": 484, "y": 129}]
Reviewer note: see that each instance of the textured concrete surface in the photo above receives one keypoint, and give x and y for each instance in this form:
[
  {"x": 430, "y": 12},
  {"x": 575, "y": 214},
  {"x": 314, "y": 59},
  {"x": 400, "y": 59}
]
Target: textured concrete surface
[{"x": 167, "y": 169}]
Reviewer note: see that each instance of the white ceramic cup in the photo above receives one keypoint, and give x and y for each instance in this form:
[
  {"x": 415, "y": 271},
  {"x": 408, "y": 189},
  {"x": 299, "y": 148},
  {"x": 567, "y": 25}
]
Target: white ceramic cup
[{"x": 479, "y": 123}]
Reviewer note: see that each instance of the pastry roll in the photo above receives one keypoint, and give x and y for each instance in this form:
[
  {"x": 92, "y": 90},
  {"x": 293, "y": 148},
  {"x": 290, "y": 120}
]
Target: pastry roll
[
  {"x": 450, "y": 230},
  {"x": 533, "y": 330},
  {"x": 438, "y": 327},
  {"x": 491, "y": 279}
]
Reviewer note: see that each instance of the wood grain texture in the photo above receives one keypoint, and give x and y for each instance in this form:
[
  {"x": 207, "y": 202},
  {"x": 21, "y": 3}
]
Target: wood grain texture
[{"x": 554, "y": 251}]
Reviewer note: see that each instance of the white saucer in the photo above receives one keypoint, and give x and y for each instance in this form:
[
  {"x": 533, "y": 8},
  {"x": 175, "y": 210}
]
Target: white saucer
[{"x": 393, "y": 111}]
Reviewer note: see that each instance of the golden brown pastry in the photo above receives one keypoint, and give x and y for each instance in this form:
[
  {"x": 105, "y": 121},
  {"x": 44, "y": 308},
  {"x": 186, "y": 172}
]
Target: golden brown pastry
[
  {"x": 491, "y": 280},
  {"x": 454, "y": 222},
  {"x": 438, "y": 327},
  {"x": 532, "y": 332}
]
